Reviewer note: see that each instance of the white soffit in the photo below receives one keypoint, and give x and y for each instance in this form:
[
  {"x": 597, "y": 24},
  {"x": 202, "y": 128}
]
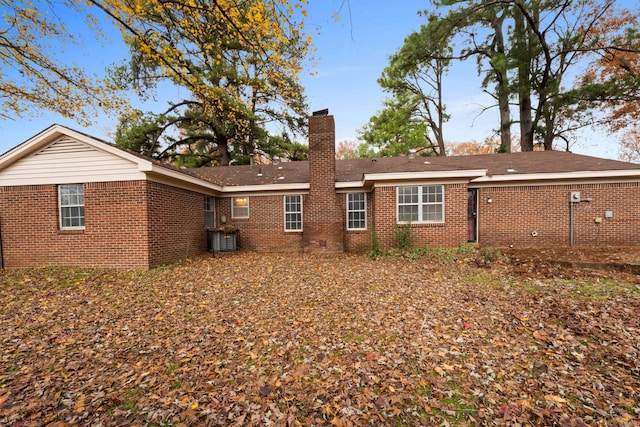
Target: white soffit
[{"x": 557, "y": 176}]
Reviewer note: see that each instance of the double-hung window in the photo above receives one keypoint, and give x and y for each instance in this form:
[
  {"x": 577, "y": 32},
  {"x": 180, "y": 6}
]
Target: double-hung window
[
  {"x": 209, "y": 212},
  {"x": 293, "y": 213},
  {"x": 356, "y": 211},
  {"x": 71, "y": 206},
  {"x": 420, "y": 204},
  {"x": 240, "y": 207}
]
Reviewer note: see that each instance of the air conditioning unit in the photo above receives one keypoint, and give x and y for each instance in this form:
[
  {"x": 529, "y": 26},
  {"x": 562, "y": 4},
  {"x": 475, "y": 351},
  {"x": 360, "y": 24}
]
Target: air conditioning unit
[{"x": 223, "y": 241}]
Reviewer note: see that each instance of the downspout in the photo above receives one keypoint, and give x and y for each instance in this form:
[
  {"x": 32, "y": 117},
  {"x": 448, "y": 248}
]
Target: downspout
[
  {"x": 574, "y": 198},
  {"x": 571, "y": 223},
  {"x": 1, "y": 262}
]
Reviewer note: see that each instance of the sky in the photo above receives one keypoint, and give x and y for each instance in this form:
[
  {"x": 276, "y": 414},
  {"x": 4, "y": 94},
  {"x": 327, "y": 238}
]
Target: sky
[{"x": 351, "y": 53}]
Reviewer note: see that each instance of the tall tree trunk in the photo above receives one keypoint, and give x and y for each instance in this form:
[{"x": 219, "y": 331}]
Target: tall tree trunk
[
  {"x": 524, "y": 84},
  {"x": 439, "y": 137},
  {"x": 502, "y": 87},
  {"x": 223, "y": 148},
  {"x": 549, "y": 134}
]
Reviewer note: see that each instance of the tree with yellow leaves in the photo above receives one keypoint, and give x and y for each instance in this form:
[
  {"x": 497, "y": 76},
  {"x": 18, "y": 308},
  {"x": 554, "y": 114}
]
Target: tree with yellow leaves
[
  {"x": 239, "y": 62},
  {"x": 31, "y": 77}
]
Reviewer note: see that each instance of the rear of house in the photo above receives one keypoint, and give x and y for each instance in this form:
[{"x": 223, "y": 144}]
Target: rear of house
[
  {"x": 498, "y": 200},
  {"x": 67, "y": 198}
]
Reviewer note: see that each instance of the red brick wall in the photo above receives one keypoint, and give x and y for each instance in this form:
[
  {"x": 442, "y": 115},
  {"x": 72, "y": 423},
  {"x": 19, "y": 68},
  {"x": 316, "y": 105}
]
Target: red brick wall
[
  {"x": 264, "y": 229},
  {"x": 115, "y": 233},
  {"x": 323, "y": 216},
  {"x": 449, "y": 234},
  {"x": 515, "y": 213},
  {"x": 176, "y": 224}
]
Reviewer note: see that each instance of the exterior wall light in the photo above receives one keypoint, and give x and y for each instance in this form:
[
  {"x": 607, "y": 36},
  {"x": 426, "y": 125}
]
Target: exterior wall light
[{"x": 489, "y": 200}]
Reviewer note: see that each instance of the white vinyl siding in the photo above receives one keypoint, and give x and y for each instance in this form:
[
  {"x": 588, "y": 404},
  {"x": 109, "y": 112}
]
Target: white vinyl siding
[
  {"x": 71, "y": 206},
  {"x": 66, "y": 161},
  {"x": 420, "y": 204},
  {"x": 240, "y": 207},
  {"x": 293, "y": 213},
  {"x": 209, "y": 212},
  {"x": 356, "y": 211}
]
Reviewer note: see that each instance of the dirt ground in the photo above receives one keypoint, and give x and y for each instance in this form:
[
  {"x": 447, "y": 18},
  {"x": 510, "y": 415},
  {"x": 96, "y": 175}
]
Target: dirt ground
[{"x": 577, "y": 261}]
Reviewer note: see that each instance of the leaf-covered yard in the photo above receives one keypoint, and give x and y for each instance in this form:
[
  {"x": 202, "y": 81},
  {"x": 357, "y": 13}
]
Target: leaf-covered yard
[{"x": 249, "y": 339}]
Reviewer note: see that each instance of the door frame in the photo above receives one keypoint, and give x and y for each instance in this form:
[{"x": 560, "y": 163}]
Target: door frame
[{"x": 472, "y": 214}]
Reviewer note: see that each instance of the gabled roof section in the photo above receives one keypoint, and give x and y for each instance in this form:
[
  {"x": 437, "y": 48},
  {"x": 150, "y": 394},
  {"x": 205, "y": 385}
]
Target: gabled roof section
[
  {"x": 53, "y": 132},
  {"x": 150, "y": 168}
]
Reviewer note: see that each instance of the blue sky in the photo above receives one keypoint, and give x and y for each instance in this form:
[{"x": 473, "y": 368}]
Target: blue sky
[{"x": 351, "y": 54}]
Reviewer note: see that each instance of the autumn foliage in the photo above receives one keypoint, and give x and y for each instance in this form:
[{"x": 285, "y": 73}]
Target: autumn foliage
[
  {"x": 618, "y": 66},
  {"x": 249, "y": 339},
  {"x": 33, "y": 39}
]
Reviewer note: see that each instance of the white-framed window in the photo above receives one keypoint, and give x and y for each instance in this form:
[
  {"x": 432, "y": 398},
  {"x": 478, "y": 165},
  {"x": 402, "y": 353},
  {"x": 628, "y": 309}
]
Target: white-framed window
[
  {"x": 209, "y": 212},
  {"x": 71, "y": 206},
  {"x": 356, "y": 211},
  {"x": 293, "y": 213},
  {"x": 240, "y": 207},
  {"x": 420, "y": 204}
]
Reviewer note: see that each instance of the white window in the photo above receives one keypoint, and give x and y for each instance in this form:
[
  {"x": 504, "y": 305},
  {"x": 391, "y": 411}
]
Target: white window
[
  {"x": 240, "y": 207},
  {"x": 293, "y": 213},
  {"x": 209, "y": 212},
  {"x": 356, "y": 211},
  {"x": 71, "y": 206},
  {"x": 420, "y": 204}
]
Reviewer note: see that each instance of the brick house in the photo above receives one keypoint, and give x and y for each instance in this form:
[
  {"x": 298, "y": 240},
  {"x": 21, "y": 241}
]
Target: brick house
[{"x": 67, "y": 198}]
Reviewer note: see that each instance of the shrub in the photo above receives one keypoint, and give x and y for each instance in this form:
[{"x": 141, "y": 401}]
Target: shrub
[
  {"x": 404, "y": 237},
  {"x": 374, "y": 251},
  {"x": 490, "y": 255}
]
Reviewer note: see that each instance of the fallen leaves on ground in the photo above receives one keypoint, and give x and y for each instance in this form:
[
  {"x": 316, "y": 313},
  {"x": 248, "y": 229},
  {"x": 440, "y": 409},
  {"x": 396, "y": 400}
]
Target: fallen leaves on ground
[{"x": 264, "y": 339}]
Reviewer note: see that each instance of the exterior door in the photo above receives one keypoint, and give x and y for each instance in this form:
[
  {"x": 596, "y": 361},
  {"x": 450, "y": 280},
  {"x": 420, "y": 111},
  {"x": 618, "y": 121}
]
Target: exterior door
[{"x": 472, "y": 216}]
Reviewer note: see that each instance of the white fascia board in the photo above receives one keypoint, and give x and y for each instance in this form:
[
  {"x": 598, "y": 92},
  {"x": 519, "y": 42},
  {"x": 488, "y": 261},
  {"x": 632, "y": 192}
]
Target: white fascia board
[
  {"x": 349, "y": 184},
  {"x": 563, "y": 176},
  {"x": 264, "y": 193},
  {"x": 403, "y": 176},
  {"x": 243, "y": 189}
]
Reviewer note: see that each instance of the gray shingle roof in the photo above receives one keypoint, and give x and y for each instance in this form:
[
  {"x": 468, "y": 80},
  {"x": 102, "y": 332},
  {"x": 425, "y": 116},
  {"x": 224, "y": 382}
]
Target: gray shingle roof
[{"x": 537, "y": 162}]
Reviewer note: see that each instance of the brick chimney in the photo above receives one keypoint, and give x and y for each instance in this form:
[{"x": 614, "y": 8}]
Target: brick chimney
[{"x": 323, "y": 216}]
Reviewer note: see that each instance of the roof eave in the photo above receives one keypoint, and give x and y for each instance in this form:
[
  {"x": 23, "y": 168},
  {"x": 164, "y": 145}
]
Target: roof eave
[
  {"x": 557, "y": 176},
  {"x": 236, "y": 189},
  {"x": 426, "y": 175}
]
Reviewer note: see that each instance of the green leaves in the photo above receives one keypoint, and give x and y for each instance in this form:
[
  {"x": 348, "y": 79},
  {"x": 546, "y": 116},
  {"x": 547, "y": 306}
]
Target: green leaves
[
  {"x": 237, "y": 63},
  {"x": 413, "y": 117}
]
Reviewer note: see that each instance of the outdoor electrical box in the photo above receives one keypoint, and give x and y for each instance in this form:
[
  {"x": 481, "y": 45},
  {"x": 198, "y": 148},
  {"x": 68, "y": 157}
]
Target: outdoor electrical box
[{"x": 574, "y": 197}]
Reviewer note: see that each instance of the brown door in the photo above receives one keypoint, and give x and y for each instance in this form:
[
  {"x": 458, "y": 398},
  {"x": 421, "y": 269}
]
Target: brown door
[{"x": 472, "y": 216}]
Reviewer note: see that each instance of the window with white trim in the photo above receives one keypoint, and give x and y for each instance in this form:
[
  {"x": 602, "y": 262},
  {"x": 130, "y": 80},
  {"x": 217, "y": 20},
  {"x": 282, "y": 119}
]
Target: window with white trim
[
  {"x": 240, "y": 207},
  {"x": 420, "y": 204},
  {"x": 293, "y": 213},
  {"x": 71, "y": 206},
  {"x": 356, "y": 211},
  {"x": 209, "y": 212}
]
